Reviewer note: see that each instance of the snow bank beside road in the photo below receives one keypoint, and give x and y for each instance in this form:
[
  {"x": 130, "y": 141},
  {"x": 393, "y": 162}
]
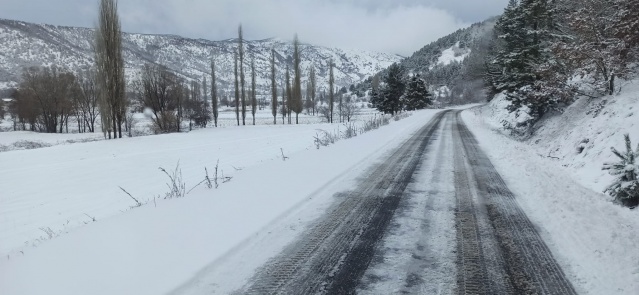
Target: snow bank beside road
[{"x": 594, "y": 240}]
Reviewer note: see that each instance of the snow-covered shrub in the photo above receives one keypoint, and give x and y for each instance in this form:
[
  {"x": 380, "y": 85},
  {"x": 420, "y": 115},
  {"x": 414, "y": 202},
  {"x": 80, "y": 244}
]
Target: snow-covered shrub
[
  {"x": 520, "y": 122},
  {"x": 325, "y": 138},
  {"x": 374, "y": 123},
  {"x": 350, "y": 132},
  {"x": 625, "y": 189}
]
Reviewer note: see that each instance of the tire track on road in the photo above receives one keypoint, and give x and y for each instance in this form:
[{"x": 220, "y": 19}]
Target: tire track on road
[
  {"x": 336, "y": 251},
  {"x": 524, "y": 264}
]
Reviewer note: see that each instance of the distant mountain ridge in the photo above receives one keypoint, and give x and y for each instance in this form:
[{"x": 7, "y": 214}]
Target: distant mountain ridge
[{"x": 25, "y": 44}]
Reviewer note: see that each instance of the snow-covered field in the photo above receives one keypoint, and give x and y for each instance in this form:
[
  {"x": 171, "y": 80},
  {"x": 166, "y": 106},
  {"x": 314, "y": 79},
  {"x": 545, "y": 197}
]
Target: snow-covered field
[
  {"x": 557, "y": 178},
  {"x": 20, "y": 140},
  {"x": 158, "y": 247}
]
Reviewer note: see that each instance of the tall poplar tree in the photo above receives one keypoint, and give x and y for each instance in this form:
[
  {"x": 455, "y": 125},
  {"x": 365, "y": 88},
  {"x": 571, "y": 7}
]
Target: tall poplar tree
[
  {"x": 237, "y": 91},
  {"x": 289, "y": 96},
  {"x": 297, "y": 80},
  {"x": 214, "y": 99},
  {"x": 253, "y": 90},
  {"x": 110, "y": 68},
  {"x": 331, "y": 90},
  {"x": 273, "y": 88},
  {"x": 312, "y": 87},
  {"x": 242, "y": 77}
]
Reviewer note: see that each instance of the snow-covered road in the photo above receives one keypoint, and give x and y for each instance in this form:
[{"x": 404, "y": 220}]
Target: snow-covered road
[{"x": 477, "y": 234}]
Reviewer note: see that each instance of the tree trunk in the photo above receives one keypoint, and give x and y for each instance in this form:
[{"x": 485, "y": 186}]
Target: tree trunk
[{"x": 612, "y": 84}]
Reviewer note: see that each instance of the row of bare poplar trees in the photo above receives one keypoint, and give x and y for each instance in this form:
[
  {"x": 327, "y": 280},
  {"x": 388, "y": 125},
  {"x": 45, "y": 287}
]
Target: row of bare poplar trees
[{"x": 48, "y": 97}]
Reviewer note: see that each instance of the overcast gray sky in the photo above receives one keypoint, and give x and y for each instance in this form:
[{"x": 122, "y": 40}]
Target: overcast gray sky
[{"x": 392, "y": 26}]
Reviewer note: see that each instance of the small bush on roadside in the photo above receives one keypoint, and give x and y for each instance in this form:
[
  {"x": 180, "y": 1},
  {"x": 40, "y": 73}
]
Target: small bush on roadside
[
  {"x": 350, "y": 132},
  {"x": 625, "y": 188},
  {"x": 29, "y": 145}
]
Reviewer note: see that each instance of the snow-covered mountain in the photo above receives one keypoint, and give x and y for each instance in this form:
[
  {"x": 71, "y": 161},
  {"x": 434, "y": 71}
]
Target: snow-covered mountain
[{"x": 26, "y": 44}]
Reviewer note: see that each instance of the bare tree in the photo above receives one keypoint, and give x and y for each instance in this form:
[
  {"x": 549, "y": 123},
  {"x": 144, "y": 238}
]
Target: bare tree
[
  {"x": 349, "y": 109},
  {"x": 331, "y": 90},
  {"x": 237, "y": 92},
  {"x": 110, "y": 68},
  {"x": 273, "y": 88},
  {"x": 214, "y": 100},
  {"x": 242, "y": 77},
  {"x": 161, "y": 91},
  {"x": 45, "y": 98},
  {"x": 253, "y": 90},
  {"x": 87, "y": 102}
]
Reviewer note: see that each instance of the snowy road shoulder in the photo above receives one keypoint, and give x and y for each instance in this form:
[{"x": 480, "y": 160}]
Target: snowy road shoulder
[{"x": 593, "y": 239}]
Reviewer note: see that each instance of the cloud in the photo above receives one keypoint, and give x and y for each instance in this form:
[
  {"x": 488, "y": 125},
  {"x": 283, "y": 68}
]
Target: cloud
[
  {"x": 401, "y": 29},
  {"x": 398, "y": 26}
]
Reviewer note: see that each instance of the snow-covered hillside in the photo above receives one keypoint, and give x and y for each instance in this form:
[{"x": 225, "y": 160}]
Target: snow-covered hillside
[
  {"x": 557, "y": 176},
  {"x": 579, "y": 139},
  {"x": 453, "y": 54},
  {"x": 25, "y": 44}
]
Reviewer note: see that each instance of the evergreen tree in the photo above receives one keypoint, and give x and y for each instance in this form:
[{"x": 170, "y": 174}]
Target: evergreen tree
[
  {"x": 626, "y": 27},
  {"x": 389, "y": 98},
  {"x": 512, "y": 70},
  {"x": 625, "y": 189},
  {"x": 524, "y": 66},
  {"x": 417, "y": 96}
]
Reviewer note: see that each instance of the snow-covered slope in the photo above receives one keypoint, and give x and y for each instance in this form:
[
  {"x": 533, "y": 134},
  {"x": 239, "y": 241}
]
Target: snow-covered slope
[
  {"x": 453, "y": 54},
  {"x": 25, "y": 44},
  {"x": 557, "y": 177},
  {"x": 579, "y": 140}
]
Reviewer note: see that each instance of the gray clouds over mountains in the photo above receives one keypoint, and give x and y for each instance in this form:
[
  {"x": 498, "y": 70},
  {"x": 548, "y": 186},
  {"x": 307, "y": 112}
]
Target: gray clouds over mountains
[{"x": 392, "y": 26}]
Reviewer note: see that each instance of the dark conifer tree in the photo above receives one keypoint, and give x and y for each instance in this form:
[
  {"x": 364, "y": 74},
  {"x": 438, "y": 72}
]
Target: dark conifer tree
[
  {"x": 417, "y": 96},
  {"x": 389, "y": 99}
]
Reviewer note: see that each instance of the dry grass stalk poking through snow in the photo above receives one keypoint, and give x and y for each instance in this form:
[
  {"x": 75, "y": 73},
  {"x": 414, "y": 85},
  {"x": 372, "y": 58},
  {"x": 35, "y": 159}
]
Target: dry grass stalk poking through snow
[
  {"x": 138, "y": 204},
  {"x": 177, "y": 186}
]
